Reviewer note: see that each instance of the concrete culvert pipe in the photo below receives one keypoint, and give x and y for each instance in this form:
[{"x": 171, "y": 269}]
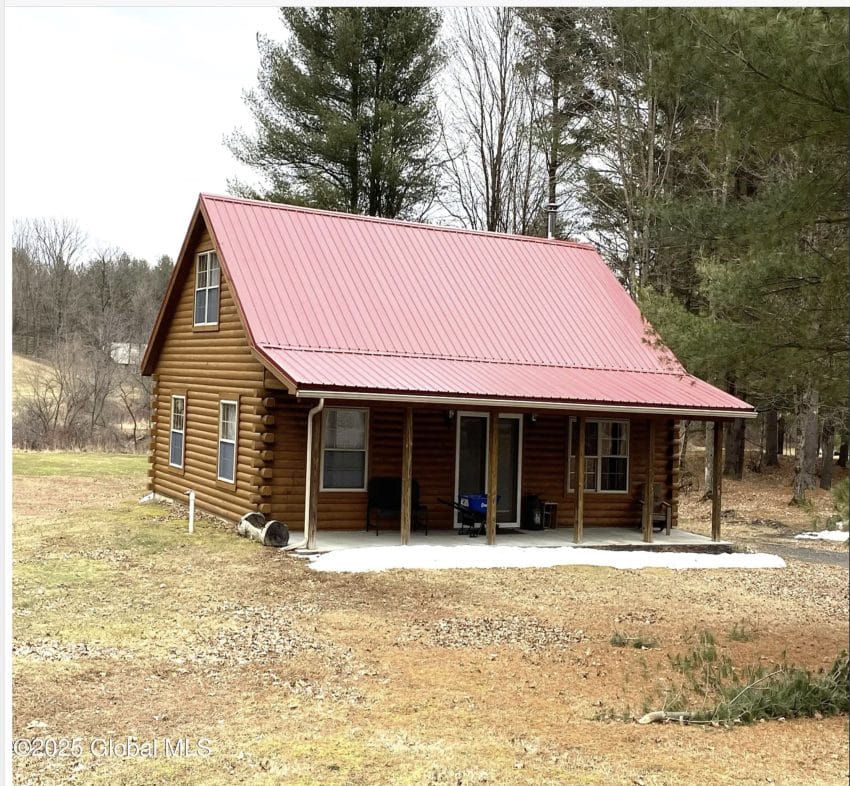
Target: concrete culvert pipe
[{"x": 269, "y": 533}]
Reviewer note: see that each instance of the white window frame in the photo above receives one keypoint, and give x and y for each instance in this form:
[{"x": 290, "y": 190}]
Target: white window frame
[
  {"x": 599, "y": 455},
  {"x": 206, "y": 256},
  {"x": 182, "y": 431},
  {"x": 221, "y": 439},
  {"x": 365, "y": 451}
]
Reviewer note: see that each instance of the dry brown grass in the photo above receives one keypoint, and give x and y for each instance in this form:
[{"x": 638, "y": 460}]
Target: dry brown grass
[
  {"x": 24, "y": 372},
  {"x": 126, "y": 625}
]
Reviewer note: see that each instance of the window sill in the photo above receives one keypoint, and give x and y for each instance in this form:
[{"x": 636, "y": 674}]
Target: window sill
[{"x": 205, "y": 328}]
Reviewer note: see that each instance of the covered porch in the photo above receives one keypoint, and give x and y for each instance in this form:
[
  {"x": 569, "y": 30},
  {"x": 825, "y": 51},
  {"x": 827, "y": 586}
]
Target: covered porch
[{"x": 541, "y": 451}]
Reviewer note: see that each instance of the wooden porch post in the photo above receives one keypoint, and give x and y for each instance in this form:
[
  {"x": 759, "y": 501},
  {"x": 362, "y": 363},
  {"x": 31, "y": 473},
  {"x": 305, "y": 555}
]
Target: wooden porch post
[
  {"x": 716, "y": 480},
  {"x": 649, "y": 491},
  {"x": 406, "y": 475},
  {"x": 578, "y": 534},
  {"x": 315, "y": 469},
  {"x": 493, "y": 478}
]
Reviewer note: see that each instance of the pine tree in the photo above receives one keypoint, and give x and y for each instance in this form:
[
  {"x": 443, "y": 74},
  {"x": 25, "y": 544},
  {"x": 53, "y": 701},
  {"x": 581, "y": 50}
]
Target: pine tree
[
  {"x": 344, "y": 110},
  {"x": 767, "y": 311}
]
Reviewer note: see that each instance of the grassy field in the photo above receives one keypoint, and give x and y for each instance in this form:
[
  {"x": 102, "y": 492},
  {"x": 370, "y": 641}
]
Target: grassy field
[{"x": 127, "y": 626}]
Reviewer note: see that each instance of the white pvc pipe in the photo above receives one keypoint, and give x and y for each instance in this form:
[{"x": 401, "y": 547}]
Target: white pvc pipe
[
  {"x": 315, "y": 411},
  {"x": 191, "y": 494}
]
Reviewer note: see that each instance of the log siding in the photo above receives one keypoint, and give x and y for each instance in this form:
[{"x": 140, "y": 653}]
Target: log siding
[{"x": 206, "y": 366}]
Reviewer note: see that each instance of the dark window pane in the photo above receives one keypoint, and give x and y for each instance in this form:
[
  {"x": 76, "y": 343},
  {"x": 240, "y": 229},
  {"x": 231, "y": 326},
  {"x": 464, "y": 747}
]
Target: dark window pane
[
  {"x": 614, "y": 471},
  {"x": 591, "y": 438},
  {"x": 226, "y": 454},
  {"x": 508, "y": 461},
  {"x": 176, "y": 456},
  {"x": 200, "y": 307},
  {"x": 473, "y": 451},
  {"x": 212, "y": 305},
  {"x": 344, "y": 469}
]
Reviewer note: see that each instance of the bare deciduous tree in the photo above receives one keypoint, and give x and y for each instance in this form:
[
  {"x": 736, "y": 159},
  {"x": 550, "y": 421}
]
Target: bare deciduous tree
[{"x": 494, "y": 171}]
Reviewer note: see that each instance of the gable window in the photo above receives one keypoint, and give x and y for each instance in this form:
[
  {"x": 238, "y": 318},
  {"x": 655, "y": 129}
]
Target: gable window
[
  {"x": 606, "y": 463},
  {"x": 228, "y": 425},
  {"x": 344, "y": 440},
  {"x": 177, "y": 439},
  {"x": 207, "y": 288}
]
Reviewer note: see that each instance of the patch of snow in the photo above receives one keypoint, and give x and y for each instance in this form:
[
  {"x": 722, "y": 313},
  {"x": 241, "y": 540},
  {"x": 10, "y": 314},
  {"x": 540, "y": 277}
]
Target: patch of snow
[
  {"x": 824, "y": 534},
  {"x": 378, "y": 558}
]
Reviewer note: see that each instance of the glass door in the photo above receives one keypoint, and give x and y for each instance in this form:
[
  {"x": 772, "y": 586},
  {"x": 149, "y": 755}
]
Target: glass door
[
  {"x": 509, "y": 479},
  {"x": 472, "y": 459}
]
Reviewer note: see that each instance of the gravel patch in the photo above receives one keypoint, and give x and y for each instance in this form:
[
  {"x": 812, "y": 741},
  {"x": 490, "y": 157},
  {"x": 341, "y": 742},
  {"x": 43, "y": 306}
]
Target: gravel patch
[
  {"x": 256, "y": 634},
  {"x": 527, "y": 633},
  {"x": 46, "y": 649}
]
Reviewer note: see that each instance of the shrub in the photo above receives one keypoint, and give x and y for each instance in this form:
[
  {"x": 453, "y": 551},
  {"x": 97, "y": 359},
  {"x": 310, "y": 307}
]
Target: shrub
[
  {"x": 638, "y": 642},
  {"x": 742, "y": 631}
]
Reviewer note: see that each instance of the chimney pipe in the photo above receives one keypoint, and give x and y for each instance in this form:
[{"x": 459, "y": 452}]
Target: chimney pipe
[{"x": 551, "y": 213}]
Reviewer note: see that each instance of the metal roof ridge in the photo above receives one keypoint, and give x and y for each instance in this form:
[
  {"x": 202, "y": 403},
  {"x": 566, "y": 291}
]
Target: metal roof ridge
[
  {"x": 466, "y": 359},
  {"x": 400, "y": 223}
]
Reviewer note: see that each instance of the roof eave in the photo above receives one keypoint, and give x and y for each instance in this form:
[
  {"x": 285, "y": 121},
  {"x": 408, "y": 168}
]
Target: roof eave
[{"x": 459, "y": 402}]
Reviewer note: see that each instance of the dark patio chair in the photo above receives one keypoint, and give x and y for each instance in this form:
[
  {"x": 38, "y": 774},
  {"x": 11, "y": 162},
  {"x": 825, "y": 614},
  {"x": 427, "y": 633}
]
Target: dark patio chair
[
  {"x": 384, "y": 502},
  {"x": 662, "y": 510}
]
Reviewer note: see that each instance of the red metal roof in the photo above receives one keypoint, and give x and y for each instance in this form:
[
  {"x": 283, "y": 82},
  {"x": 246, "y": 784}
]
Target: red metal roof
[{"x": 354, "y": 303}]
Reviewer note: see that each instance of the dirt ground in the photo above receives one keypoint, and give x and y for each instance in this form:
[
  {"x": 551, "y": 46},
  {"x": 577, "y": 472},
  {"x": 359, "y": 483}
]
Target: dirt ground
[{"x": 125, "y": 626}]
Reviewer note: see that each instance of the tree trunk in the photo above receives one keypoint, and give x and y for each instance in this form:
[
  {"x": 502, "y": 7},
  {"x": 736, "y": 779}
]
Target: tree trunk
[
  {"x": 771, "y": 438},
  {"x": 780, "y": 435},
  {"x": 708, "y": 483},
  {"x": 842, "y": 455},
  {"x": 827, "y": 442},
  {"x": 684, "y": 431},
  {"x": 805, "y": 461},
  {"x": 733, "y": 462}
]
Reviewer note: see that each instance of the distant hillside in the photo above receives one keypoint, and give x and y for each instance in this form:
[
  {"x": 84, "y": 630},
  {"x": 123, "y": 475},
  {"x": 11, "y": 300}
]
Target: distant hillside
[{"x": 23, "y": 370}]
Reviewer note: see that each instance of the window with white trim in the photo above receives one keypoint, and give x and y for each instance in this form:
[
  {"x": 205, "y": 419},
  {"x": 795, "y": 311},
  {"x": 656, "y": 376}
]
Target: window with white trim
[
  {"x": 344, "y": 441},
  {"x": 177, "y": 439},
  {"x": 228, "y": 427},
  {"x": 606, "y": 451},
  {"x": 207, "y": 288}
]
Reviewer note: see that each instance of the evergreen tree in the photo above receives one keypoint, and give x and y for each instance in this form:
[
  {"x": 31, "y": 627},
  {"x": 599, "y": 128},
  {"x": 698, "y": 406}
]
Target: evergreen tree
[
  {"x": 344, "y": 110},
  {"x": 767, "y": 312}
]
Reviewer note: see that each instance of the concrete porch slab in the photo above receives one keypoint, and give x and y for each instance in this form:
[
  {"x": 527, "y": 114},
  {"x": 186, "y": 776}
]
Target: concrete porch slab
[{"x": 608, "y": 538}]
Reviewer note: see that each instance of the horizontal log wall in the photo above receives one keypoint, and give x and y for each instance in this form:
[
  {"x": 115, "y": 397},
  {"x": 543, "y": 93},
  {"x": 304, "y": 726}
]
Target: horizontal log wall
[
  {"x": 434, "y": 444},
  {"x": 208, "y": 366},
  {"x": 545, "y": 447},
  {"x": 433, "y": 465}
]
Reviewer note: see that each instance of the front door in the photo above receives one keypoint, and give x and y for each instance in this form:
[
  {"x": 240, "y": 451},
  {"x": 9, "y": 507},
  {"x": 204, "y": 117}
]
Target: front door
[{"x": 472, "y": 459}]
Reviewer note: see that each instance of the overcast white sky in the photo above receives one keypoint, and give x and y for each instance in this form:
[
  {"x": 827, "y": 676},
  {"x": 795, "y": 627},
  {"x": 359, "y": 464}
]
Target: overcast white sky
[{"x": 115, "y": 116}]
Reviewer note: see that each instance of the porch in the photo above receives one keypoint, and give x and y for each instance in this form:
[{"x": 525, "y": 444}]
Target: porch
[
  {"x": 606, "y": 538},
  {"x": 608, "y": 475}
]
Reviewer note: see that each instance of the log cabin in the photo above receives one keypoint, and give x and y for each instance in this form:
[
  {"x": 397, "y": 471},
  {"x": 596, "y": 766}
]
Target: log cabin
[{"x": 299, "y": 354}]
